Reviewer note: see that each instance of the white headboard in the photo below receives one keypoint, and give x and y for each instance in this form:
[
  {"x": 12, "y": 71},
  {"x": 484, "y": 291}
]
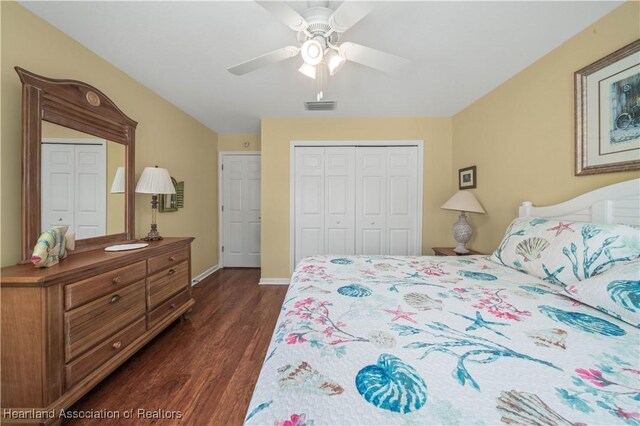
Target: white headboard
[{"x": 618, "y": 203}]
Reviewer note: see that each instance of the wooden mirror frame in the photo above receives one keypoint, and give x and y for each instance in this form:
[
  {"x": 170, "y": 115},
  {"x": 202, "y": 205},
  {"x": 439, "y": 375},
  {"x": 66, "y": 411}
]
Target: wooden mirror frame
[{"x": 81, "y": 107}]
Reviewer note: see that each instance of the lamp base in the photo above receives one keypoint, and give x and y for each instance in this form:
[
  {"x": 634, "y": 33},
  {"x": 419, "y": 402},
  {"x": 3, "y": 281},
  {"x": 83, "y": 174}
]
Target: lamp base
[
  {"x": 153, "y": 235},
  {"x": 461, "y": 233}
]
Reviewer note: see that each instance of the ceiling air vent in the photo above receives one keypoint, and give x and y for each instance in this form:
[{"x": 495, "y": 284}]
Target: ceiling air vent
[{"x": 320, "y": 105}]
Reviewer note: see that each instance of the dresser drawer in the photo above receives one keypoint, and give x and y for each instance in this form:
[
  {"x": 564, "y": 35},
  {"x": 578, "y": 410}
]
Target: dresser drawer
[
  {"x": 90, "y": 324},
  {"x": 81, "y": 367},
  {"x": 166, "y": 283},
  {"x": 164, "y": 310},
  {"x": 158, "y": 263},
  {"x": 84, "y": 291}
]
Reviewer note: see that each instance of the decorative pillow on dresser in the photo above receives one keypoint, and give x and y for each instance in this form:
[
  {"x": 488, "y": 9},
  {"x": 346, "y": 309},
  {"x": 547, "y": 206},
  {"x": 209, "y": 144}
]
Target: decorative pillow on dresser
[
  {"x": 565, "y": 252},
  {"x": 616, "y": 292}
]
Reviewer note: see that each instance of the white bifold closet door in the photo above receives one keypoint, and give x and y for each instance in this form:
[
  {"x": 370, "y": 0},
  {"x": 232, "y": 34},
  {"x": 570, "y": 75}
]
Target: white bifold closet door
[
  {"x": 355, "y": 200},
  {"x": 73, "y": 187},
  {"x": 324, "y": 207}
]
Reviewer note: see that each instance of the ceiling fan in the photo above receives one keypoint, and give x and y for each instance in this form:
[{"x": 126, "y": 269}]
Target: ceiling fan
[{"x": 318, "y": 32}]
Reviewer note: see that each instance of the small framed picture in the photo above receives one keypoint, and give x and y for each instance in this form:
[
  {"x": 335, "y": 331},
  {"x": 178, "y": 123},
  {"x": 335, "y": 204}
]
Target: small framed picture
[{"x": 467, "y": 178}]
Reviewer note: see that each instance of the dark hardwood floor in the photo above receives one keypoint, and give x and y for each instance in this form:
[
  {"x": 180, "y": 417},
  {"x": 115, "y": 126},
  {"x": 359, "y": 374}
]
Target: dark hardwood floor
[{"x": 205, "y": 367}]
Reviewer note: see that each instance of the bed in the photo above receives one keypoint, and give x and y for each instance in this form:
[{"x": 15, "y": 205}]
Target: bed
[{"x": 543, "y": 331}]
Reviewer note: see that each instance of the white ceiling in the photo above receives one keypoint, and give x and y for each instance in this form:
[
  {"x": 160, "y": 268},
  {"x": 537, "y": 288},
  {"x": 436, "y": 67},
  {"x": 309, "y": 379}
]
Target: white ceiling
[{"x": 461, "y": 50}]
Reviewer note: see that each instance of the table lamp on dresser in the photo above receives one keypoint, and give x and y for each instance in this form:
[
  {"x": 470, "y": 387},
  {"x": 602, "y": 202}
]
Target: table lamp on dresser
[
  {"x": 155, "y": 180},
  {"x": 463, "y": 201}
]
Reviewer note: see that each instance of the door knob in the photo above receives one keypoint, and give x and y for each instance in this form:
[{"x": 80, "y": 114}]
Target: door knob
[
  {"x": 373, "y": 223},
  {"x": 59, "y": 219}
]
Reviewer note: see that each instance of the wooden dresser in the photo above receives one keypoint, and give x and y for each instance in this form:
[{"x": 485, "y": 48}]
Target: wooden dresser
[{"x": 65, "y": 328}]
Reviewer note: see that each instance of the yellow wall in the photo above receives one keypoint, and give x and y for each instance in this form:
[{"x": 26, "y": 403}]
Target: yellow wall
[
  {"x": 166, "y": 136},
  {"x": 276, "y": 136},
  {"x": 236, "y": 141},
  {"x": 521, "y": 135}
]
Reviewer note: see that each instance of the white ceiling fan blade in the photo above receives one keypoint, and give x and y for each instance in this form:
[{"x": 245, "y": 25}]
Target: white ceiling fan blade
[
  {"x": 348, "y": 14},
  {"x": 264, "y": 60},
  {"x": 373, "y": 58},
  {"x": 285, "y": 13}
]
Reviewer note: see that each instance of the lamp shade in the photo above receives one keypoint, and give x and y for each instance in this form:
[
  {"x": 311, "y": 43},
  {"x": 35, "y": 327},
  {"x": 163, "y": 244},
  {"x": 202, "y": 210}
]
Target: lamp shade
[
  {"x": 463, "y": 201},
  {"x": 118, "y": 181},
  {"x": 155, "y": 180}
]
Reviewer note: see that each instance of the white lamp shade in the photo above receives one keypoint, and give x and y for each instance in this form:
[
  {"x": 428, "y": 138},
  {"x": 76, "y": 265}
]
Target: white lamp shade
[
  {"x": 118, "y": 181},
  {"x": 155, "y": 180},
  {"x": 463, "y": 201}
]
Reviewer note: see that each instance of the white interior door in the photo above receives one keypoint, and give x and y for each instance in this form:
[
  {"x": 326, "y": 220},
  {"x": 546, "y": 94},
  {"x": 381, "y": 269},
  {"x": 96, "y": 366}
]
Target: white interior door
[
  {"x": 309, "y": 202},
  {"x": 73, "y": 182},
  {"x": 371, "y": 200},
  {"x": 340, "y": 188},
  {"x": 241, "y": 210}
]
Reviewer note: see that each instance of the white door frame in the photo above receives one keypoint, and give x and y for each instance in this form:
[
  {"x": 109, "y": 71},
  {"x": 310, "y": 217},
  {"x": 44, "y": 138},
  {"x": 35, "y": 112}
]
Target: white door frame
[
  {"x": 220, "y": 199},
  {"x": 327, "y": 143}
]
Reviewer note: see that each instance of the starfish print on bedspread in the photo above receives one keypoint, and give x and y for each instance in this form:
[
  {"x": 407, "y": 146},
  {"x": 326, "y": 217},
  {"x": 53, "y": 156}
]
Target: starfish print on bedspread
[
  {"x": 561, "y": 227},
  {"x": 479, "y": 322},
  {"x": 400, "y": 314}
]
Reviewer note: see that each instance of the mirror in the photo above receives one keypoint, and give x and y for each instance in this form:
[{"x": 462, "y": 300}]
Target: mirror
[
  {"x": 78, "y": 163},
  {"x": 78, "y": 182}
]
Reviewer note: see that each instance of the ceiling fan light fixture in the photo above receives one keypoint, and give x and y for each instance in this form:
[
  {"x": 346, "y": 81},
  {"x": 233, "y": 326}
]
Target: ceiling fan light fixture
[
  {"x": 312, "y": 52},
  {"x": 334, "y": 62},
  {"x": 308, "y": 70}
]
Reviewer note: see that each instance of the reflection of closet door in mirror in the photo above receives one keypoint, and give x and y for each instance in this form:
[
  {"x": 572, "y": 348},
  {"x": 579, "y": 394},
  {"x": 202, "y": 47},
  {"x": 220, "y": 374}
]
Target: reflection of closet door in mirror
[{"x": 74, "y": 185}]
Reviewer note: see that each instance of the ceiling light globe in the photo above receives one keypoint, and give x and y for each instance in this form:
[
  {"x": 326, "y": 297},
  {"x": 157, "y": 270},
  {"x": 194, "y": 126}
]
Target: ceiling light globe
[
  {"x": 308, "y": 70},
  {"x": 312, "y": 52},
  {"x": 334, "y": 62}
]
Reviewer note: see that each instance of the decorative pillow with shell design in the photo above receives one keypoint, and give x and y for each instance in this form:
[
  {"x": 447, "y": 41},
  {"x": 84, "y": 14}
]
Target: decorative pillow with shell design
[
  {"x": 565, "y": 252},
  {"x": 616, "y": 292}
]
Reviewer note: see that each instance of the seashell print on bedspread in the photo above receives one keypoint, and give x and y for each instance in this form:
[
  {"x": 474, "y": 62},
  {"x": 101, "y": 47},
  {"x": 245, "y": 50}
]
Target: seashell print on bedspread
[{"x": 430, "y": 340}]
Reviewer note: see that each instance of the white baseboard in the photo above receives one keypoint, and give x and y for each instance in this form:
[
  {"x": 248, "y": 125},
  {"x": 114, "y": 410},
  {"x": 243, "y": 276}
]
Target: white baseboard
[
  {"x": 274, "y": 281},
  {"x": 204, "y": 275}
]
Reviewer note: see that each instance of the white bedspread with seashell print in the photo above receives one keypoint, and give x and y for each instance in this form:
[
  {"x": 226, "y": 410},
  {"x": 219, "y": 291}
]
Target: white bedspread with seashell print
[{"x": 442, "y": 340}]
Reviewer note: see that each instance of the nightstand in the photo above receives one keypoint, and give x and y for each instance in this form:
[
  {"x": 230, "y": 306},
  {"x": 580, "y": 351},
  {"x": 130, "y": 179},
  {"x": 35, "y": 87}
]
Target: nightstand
[{"x": 448, "y": 251}]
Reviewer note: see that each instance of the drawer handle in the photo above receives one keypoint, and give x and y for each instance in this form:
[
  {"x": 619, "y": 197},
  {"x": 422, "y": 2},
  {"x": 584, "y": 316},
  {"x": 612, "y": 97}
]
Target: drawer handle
[
  {"x": 114, "y": 298},
  {"x": 172, "y": 258},
  {"x": 117, "y": 345},
  {"x": 172, "y": 306},
  {"x": 172, "y": 271},
  {"x": 116, "y": 280}
]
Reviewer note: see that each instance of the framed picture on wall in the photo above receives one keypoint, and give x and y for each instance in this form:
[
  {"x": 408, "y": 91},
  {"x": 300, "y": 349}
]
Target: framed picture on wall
[
  {"x": 608, "y": 113},
  {"x": 467, "y": 178}
]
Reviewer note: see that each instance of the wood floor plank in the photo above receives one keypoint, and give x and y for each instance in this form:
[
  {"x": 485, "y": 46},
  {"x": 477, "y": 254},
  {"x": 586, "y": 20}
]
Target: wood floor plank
[{"x": 205, "y": 367}]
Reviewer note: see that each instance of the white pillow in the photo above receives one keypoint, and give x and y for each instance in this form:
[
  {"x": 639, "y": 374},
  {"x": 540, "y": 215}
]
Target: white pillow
[
  {"x": 616, "y": 292},
  {"x": 565, "y": 252}
]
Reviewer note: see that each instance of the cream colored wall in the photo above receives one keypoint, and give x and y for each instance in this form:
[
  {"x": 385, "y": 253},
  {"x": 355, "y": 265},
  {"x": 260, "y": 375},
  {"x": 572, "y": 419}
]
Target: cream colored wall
[
  {"x": 236, "y": 141},
  {"x": 276, "y": 137},
  {"x": 521, "y": 135},
  {"x": 166, "y": 136}
]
